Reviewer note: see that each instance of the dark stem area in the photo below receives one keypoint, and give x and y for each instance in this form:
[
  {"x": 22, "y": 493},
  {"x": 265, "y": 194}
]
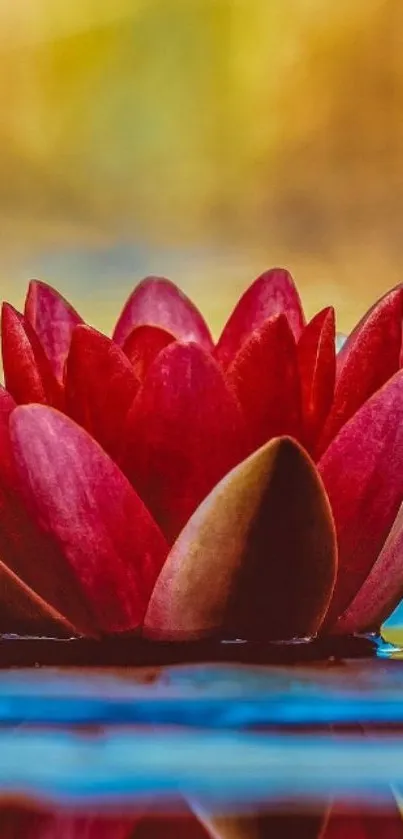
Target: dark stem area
[{"x": 24, "y": 651}]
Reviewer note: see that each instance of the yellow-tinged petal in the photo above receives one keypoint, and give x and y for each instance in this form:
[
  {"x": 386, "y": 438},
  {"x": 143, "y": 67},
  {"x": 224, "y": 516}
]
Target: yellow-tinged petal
[{"x": 256, "y": 560}]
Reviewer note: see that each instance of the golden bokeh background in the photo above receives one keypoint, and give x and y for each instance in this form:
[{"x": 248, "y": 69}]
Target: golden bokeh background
[{"x": 203, "y": 139}]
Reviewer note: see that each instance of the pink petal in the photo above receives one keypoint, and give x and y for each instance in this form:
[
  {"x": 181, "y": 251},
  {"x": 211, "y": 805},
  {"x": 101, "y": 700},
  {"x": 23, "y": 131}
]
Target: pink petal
[
  {"x": 317, "y": 367},
  {"x": 184, "y": 431},
  {"x": 143, "y": 345},
  {"x": 369, "y": 357},
  {"x": 382, "y": 590},
  {"x": 273, "y": 293},
  {"x": 100, "y": 386},
  {"x": 112, "y": 547},
  {"x": 158, "y": 302},
  {"x": 256, "y": 560},
  {"x": 53, "y": 319},
  {"x": 27, "y": 372},
  {"x": 363, "y": 473},
  {"x": 265, "y": 377}
]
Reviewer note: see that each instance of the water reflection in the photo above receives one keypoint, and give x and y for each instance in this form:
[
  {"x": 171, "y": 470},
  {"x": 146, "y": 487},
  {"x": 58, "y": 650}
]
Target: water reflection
[
  {"x": 335, "y": 822},
  {"x": 222, "y": 751}
]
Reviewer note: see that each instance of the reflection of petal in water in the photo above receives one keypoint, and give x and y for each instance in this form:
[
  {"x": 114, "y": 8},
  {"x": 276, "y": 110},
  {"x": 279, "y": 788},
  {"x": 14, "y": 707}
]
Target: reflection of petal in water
[
  {"x": 227, "y": 770},
  {"x": 23, "y": 824},
  {"x": 350, "y": 824},
  {"x": 269, "y": 826},
  {"x": 179, "y": 827},
  {"x": 342, "y": 823}
]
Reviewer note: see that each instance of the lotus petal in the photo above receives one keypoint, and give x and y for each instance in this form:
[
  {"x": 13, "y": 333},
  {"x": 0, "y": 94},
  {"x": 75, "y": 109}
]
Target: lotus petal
[
  {"x": 100, "y": 386},
  {"x": 184, "y": 431},
  {"x": 39, "y": 569},
  {"x": 7, "y": 403},
  {"x": 33, "y": 572},
  {"x": 27, "y": 372},
  {"x": 256, "y": 560},
  {"x": 53, "y": 319},
  {"x": 23, "y": 611},
  {"x": 273, "y": 293},
  {"x": 8, "y": 476},
  {"x": 363, "y": 473},
  {"x": 143, "y": 345},
  {"x": 111, "y": 545},
  {"x": 35, "y": 559},
  {"x": 157, "y": 301},
  {"x": 265, "y": 377},
  {"x": 317, "y": 367},
  {"x": 382, "y": 590},
  {"x": 369, "y": 357}
]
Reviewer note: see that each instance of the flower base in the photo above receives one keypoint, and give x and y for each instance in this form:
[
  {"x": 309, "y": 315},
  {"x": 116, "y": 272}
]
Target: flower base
[{"x": 24, "y": 651}]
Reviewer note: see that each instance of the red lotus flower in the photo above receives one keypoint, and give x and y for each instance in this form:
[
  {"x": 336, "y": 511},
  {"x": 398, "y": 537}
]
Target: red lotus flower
[{"x": 167, "y": 485}]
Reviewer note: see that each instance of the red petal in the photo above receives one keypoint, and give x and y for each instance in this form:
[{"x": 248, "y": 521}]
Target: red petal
[
  {"x": 143, "y": 345},
  {"x": 27, "y": 371},
  {"x": 7, "y": 403},
  {"x": 22, "y": 611},
  {"x": 158, "y": 302},
  {"x": 317, "y": 366},
  {"x": 265, "y": 377},
  {"x": 31, "y": 556},
  {"x": 382, "y": 591},
  {"x": 53, "y": 319},
  {"x": 21, "y": 373},
  {"x": 363, "y": 474},
  {"x": 184, "y": 431},
  {"x": 256, "y": 560},
  {"x": 7, "y": 466},
  {"x": 110, "y": 543},
  {"x": 100, "y": 386},
  {"x": 273, "y": 293},
  {"x": 36, "y": 560},
  {"x": 367, "y": 360}
]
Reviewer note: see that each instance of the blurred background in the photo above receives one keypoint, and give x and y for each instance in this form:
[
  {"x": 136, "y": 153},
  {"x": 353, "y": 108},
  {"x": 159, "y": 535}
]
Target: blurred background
[{"x": 205, "y": 140}]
